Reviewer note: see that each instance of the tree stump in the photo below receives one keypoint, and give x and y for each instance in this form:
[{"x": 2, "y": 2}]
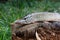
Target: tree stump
[{"x": 38, "y": 26}]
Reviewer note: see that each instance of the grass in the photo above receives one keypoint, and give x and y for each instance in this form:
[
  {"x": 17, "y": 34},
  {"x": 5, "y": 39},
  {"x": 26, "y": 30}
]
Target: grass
[{"x": 10, "y": 12}]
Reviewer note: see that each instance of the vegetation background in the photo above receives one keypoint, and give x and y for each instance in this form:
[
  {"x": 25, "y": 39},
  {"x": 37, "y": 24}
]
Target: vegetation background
[{"x": 11, "y": 10}]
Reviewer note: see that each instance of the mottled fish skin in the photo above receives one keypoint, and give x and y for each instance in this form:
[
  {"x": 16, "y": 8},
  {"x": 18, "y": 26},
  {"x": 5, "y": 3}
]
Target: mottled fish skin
[
  {"x": 39, "y": 16},
  {"x": 42, "y": 16}
]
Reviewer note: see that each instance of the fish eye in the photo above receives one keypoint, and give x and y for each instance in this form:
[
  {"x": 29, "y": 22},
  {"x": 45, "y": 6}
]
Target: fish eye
[{"x": 24, "y": 18}]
